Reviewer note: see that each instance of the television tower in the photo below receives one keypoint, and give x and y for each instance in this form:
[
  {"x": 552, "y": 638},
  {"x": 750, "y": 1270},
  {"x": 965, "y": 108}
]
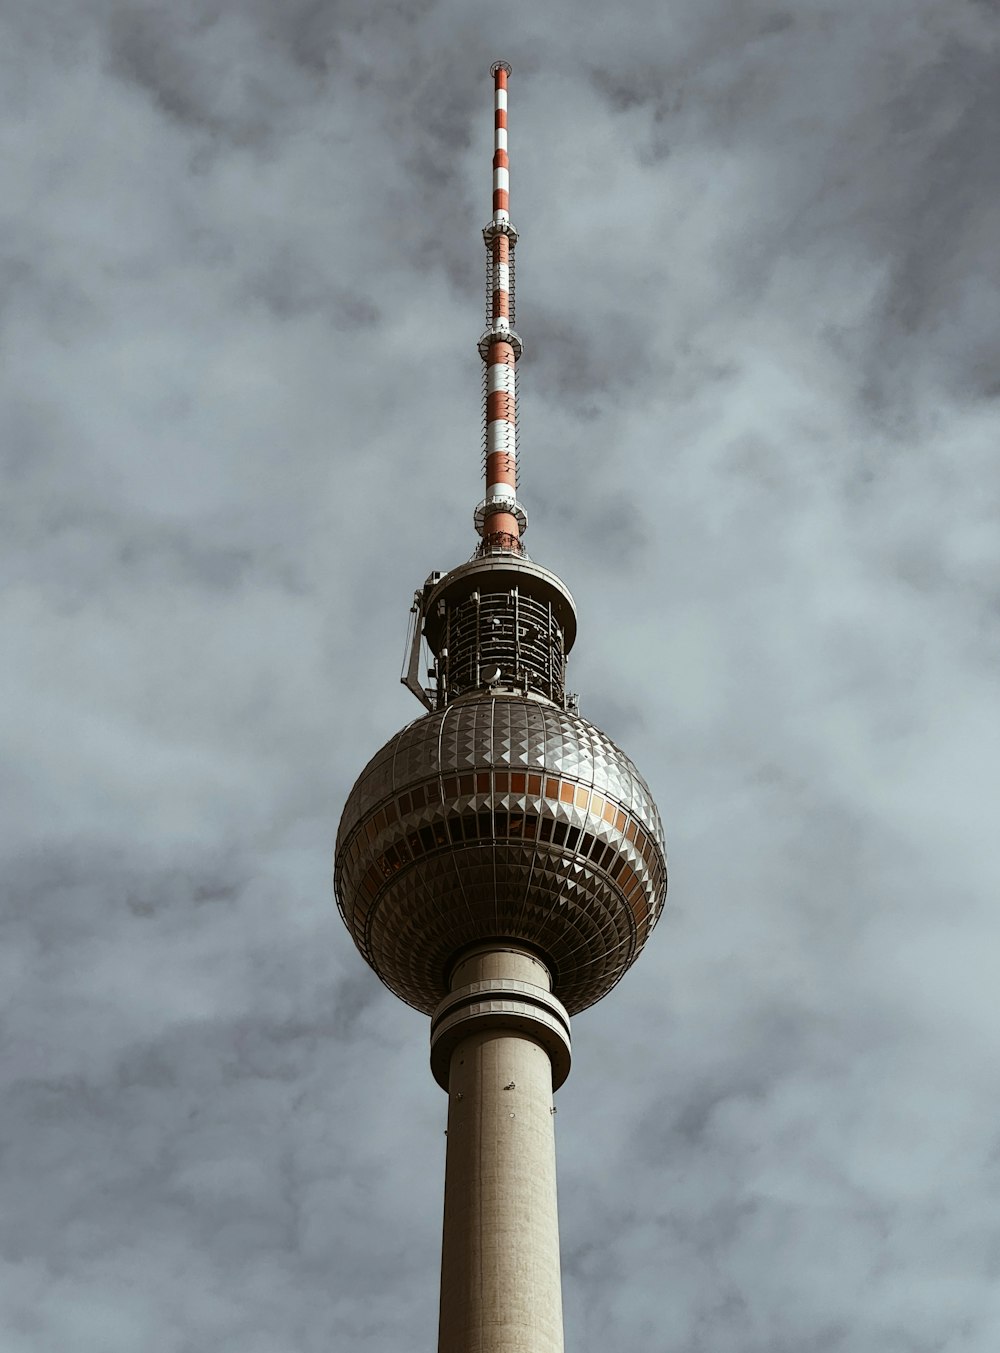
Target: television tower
[{"x": 500, "y": 865}]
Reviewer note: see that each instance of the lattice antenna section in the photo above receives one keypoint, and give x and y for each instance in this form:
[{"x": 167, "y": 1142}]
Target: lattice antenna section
[{"x": 500, "y": 519}]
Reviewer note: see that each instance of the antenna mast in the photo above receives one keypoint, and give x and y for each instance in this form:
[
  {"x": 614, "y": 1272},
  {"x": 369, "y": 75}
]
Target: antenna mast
[{"x": 500, "y": 519}]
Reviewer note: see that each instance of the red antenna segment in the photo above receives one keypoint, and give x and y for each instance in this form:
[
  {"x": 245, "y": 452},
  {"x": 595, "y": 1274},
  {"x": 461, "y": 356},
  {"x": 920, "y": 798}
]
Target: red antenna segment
[{"x": 500, "y": 518}]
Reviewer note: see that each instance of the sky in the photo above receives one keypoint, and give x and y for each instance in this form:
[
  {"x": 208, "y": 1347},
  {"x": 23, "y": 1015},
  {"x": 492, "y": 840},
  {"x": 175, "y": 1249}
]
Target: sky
[{"x": 241, "y": 290}]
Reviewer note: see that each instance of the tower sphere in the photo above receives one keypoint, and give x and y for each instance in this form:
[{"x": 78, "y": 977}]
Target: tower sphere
[{"x": 500, "y": 819}]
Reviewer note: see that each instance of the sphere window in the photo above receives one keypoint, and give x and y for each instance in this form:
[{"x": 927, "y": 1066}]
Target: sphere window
[{"x": 427, "y": 838}]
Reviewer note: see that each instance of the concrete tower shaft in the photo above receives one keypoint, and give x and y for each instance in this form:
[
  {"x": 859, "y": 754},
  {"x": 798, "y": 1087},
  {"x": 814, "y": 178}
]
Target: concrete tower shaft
[{"x": 500, "y": 1281}]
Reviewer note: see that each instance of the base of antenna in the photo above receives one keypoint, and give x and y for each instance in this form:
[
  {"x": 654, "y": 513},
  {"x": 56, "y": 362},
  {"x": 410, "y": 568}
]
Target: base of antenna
[{"x": 501, "y": 542}]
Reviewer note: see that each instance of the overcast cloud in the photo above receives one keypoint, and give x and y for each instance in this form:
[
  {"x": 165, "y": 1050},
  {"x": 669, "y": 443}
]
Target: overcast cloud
[{"x": 241, "y": 286}]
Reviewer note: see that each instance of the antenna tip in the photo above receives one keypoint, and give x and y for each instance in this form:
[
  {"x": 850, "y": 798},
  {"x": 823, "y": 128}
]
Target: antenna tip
[{"x": 500, "y": 65}]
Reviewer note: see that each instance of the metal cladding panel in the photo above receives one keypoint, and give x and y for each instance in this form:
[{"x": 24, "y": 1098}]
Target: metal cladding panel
[{"x": 500, "y": 818}]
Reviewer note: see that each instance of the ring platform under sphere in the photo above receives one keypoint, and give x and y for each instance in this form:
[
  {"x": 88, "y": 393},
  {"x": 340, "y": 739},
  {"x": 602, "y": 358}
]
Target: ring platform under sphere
[{"x": 500, "y": 818}]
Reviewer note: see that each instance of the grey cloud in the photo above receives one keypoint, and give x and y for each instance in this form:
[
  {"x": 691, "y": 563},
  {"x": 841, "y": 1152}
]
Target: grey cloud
[{"x": 241, "y": 291}]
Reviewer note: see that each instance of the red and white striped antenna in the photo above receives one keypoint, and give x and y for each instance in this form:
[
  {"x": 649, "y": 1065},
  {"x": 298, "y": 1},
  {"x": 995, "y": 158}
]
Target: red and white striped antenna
[{"x": 500, "y": 518}]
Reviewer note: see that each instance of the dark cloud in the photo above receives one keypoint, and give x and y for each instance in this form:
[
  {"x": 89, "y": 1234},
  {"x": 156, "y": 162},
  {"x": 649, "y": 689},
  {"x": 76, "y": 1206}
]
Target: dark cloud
[{"x": 240, "y": 278}]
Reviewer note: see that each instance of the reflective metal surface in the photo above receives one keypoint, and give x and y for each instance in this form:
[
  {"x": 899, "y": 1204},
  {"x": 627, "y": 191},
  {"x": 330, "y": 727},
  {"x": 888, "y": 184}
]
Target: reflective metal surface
[{"x": 500, "y": 818}]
